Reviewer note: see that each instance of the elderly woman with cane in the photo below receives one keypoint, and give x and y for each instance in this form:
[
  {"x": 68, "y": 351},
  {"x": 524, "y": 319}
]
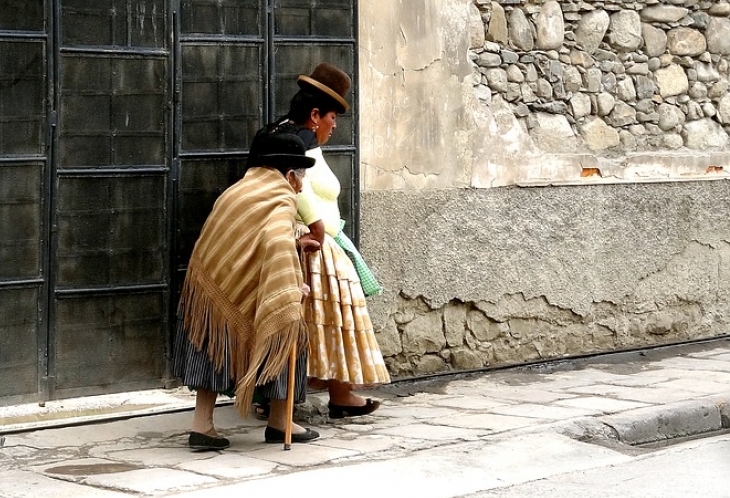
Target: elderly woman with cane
[{"x": 240, "y": 310}]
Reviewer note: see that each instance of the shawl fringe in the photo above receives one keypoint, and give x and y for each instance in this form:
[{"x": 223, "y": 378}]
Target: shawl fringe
[
  {"x": 209, "y": 318},
  {"x": 273, "y": 356}
]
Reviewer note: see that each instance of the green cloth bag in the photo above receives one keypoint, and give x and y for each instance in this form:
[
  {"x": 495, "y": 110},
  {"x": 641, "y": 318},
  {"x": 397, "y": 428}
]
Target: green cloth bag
[{"x": 369, "y": 283}]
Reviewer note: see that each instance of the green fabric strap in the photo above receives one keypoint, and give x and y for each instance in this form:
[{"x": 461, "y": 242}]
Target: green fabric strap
[{"x": 370, "y": 285}]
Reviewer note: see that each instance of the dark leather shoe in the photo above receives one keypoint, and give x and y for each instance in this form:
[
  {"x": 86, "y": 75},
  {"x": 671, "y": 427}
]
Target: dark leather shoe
[
  {"x": 342, "y": 411},
  {"x": 201, "y": 442},
  {"x": 272, "y": 435}
]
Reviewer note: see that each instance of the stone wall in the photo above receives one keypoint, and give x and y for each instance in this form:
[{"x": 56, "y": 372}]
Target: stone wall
[
  {"x": 542, "y": 92},
  {"x": 486, "y": 257},
  {"x": 613, "y": 76}
]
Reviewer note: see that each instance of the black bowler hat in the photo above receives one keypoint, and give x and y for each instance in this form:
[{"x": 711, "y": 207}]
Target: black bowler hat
[{"x": 284, "y": 151}]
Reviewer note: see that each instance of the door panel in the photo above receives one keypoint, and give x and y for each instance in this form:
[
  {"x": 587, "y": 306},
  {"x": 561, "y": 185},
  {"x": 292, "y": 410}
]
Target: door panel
[
  {"x": 116, "y": 23},
  {"x": 111, "y": 232},
  {"x": 221, "y": 96},
  {"x": 18, "y": 342},
  {"x": 109, "y": 254},
  {"x": 112, "y": 111},
  {"x": 25, "y": 15},
  {"x": 221, "y": 17},
  {"x": 332, "y": 18},
  {"x": 21, "y": 220},
  {"x": 110, "y": 342},
  {"x": 22, "y": 97}
]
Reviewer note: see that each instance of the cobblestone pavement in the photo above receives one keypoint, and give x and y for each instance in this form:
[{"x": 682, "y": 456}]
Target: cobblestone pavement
[{"x": 443, "y": 437}]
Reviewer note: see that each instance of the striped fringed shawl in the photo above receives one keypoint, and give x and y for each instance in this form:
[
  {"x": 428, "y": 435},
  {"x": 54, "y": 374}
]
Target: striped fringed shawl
[{"x": 242, "y": 291}]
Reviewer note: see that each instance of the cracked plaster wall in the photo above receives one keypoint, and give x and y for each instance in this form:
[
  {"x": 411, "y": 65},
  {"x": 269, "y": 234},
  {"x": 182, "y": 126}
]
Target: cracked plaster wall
[
  {"x": 415, "y": 124},
  {"x": 421, "y": 123},
  {"x": 484, "y": 277},
  {"x": 480, "y": 276}
]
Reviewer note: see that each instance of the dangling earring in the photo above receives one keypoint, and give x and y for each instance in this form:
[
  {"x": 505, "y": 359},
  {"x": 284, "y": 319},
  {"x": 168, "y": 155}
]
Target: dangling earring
[{"x": 315, "y": 128}]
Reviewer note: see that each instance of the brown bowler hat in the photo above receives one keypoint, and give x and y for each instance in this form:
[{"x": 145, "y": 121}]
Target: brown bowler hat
[{"x": 331, "y": 80}]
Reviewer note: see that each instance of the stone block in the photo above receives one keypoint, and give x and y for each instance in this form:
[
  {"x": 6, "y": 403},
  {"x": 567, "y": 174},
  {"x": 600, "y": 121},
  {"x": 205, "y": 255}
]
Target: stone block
[
  {"x": 646, "y": 425},
  {"x": 429, "y": 364},
  {"x": 466, "y": 359},
  {"x": 454, "y": 324},
  {"x": 424, "y": 334}
]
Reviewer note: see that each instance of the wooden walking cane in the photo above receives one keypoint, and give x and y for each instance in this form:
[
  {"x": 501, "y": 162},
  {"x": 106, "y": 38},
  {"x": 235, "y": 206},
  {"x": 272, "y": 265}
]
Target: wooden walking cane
[
  {"x": 290, "y": 378},
  {"x": 290, "y": 397}
]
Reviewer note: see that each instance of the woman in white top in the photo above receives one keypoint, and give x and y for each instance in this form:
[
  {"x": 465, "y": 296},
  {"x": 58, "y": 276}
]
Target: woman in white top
[{"x": 343, "y": 351}]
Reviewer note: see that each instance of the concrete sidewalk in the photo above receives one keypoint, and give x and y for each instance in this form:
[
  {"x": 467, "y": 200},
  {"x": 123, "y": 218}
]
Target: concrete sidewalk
[{"x": 445, "y": 437}]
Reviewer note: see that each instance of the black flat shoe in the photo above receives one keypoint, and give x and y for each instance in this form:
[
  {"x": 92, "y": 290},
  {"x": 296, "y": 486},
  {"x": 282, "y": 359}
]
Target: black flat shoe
[
  {"x": 272, "y": 435},
  {"x": 201, "y": 442},
  {"x": 342, "y": 411}
]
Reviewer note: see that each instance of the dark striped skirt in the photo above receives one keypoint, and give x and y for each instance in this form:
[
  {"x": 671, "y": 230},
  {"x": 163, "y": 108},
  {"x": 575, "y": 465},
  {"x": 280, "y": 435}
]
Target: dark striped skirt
[{"x": 196, "y": 371}]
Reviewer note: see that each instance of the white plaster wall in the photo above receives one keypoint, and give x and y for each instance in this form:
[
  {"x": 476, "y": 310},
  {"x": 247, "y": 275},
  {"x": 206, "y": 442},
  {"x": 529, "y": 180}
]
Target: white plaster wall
[
  {"x": 422, "y": 124},
  {"x": 418, "y": 112}
]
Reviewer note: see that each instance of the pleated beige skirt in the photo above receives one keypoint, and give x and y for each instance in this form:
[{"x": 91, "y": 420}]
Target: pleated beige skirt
[{"x": 342, "y": 344}]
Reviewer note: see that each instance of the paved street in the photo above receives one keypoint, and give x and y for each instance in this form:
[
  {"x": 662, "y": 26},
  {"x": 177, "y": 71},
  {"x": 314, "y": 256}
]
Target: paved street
[
  {"x": 692, "y": 469},
  {"x": 513, "y": 432}
]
